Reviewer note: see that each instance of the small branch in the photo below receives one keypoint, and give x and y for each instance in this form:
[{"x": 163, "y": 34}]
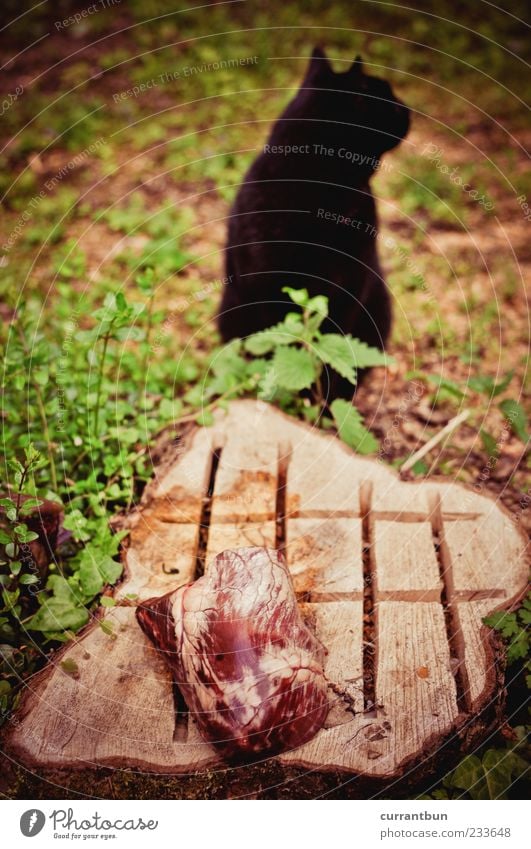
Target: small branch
[{"x": 446, "y": 431}]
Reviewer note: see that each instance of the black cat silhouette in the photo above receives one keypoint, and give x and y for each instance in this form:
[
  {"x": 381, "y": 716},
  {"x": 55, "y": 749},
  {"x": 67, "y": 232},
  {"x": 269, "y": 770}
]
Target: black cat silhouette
[{"x": 305, "y": 216}]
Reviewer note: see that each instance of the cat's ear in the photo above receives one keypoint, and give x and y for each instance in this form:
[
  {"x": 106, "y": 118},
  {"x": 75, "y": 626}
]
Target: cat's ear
[
  {"x": 319, "y": 65},
  {"x": 356, "y": 69}
]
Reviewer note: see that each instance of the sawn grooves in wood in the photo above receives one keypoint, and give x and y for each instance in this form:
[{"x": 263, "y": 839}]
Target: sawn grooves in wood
[
  {"x": 206, "y": 510},
  {"x": 454, "y": 633},
  {"x": 369, "y": 600},
  {"x": 284, "y": 457}
]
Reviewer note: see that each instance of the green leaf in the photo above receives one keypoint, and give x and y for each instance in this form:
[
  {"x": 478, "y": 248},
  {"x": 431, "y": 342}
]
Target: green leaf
[
  {"x": 76, "y": 522},
  {"x": 349, "y": 423},
  {"x": 311, "y": 413},
  {"x": 126, "y": 435},
  {"x": 62, "y": 589},
  {"x": 205, "y": 418},
  {"x": 10, "y": 598},
  {"x": 267, "y": 385},
  {"x": 107, "y": 628},
  {"x": 145, "y": 281},
  {"x": 90, "y": 577},
  {"x": 40, "y": 376},
  {"x": 517, "y": 418},
  {"x": 498, "y": 766},
  {"x": 95, "y": 570},
  {"x": 70, "y": 666},
  {"x": 319, "y": 306},
  {"x": 170, "y": 408},
  {"x": 24, "y": 534},
  {"x": 502, "y": 621},
  {"x": 111, "y": 463},
  {"x": 195, "y": 395},
  {"x": 267, "y": 340},
  {"x": 29, "y": 505},
  {"x": 121, "y": 303},
  {"x": 128, "y": 333},
  {"x": 512, "y": 628},
  {"x": 294, "y": 369},
  {"x": 518, "y": 646},
  {"x": 107, "y": 601},
  {"x": 110, "y": 569},
  {"x": 28, "y": 579},
  {"x": 229, "y": 360},
  {"x": 365, "y": 356},
  {"x": 298, "y": 296},
  {"x": 58, "y": 614},
  {"x": 292, "y": 325},
  {"x": 486, "y": 384},
  {"x": 470, "y": 776},
  {"x": 448, "y": 386},
  {"x": 31, "y": 454},
  {"x": 489, "y": 443}
]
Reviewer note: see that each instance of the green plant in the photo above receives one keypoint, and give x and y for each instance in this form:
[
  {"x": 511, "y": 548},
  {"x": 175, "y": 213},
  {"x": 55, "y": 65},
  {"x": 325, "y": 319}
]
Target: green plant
[
  {"x": 18, "y": 573},
  {"x": 16, "y": 535},
  {"x": 514, "y": 627},
  {"x": 490, "y": 773},
  {"x": 81, "y": 397}
]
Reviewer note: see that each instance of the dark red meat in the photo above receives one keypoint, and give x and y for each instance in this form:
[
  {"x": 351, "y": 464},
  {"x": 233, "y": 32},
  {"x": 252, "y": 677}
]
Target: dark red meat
[{"x": 249, "y": 669}]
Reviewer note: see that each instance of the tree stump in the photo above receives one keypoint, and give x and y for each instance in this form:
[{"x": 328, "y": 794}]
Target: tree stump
[{"x": 394, "y": 577}]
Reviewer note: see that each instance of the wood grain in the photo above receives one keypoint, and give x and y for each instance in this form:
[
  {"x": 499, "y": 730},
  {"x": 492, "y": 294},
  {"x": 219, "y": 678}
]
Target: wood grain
[{"x": 324, "y": 557}]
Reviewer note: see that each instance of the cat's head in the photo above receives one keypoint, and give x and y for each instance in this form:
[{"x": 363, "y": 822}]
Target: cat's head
[{"x": 355, "y": 108}]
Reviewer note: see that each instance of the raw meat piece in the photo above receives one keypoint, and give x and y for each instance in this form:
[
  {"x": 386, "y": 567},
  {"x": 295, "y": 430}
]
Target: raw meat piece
[{"x": 249, "y": 669}]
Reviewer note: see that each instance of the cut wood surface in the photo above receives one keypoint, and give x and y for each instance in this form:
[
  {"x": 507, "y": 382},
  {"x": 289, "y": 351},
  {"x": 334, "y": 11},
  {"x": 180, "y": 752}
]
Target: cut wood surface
[{"x": 428, "y": 561}]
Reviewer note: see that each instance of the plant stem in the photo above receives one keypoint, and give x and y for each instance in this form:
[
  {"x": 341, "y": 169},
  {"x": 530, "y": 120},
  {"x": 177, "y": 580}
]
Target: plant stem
[
  {"x": 16, "y": 547},
  {"x": 148, "y": 334},
  {"x": 100, "y": 379},
  {"x": 20, "y": 488},
  {"x": 319, "y": 387},
  {"x": 82, "y": 456},
  {"x": 44, "y": 420},
  {"x": 42, "y": 414}
]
